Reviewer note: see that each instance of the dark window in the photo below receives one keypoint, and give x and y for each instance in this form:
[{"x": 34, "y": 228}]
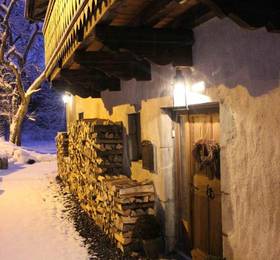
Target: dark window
[
  {"x": 81, "y": 115},
  {"x": 134, "y": 137}
]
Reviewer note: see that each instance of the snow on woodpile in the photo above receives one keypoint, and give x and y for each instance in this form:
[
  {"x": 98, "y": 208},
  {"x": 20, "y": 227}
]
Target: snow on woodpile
[{"x": 17, "y": 154}]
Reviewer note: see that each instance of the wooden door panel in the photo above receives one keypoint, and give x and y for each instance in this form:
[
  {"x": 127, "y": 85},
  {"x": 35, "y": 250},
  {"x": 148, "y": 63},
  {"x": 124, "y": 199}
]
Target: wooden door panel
[
  {"x": 215, "y": 227},
  {"x": 200, "y": 225},
  {"x": 216, "y": 127},
  {"x": 200, "y": 220},
  {"x": 206, "y": 212}
]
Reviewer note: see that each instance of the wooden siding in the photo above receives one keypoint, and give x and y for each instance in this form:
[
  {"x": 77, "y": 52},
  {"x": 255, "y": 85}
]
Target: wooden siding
[{"x": 66, "y": 19}]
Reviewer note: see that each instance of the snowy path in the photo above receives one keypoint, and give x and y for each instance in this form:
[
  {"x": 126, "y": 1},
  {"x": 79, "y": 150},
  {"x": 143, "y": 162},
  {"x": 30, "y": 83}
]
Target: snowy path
[{"x": 31, "y": 217}]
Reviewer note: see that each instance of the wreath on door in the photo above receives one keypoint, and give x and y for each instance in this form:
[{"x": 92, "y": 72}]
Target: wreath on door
[{"x": 207, "y": 155}]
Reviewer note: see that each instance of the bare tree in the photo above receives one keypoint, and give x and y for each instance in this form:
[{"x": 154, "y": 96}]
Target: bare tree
[{"x": 13, "y": 64}]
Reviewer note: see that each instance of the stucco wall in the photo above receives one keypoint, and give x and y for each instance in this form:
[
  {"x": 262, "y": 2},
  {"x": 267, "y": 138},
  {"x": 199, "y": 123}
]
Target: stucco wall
[{"x": 242, "y": 71}]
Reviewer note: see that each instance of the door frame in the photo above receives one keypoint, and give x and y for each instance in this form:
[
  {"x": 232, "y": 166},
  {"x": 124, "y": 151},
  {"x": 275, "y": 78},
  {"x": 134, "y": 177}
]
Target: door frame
[{"x": 183, "y": 192}]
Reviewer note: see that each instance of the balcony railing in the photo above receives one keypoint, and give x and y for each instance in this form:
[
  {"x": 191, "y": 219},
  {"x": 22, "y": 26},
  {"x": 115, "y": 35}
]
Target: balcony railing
[{"x": 67, "y": 23}]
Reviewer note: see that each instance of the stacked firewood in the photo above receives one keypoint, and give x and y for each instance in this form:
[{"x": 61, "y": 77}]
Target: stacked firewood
[
  {"x": 121, "y": 201},
  {"x": 93, "y": 172},
  {"x": 62, "y": 143},
  {"x": 96, "y": 145}
]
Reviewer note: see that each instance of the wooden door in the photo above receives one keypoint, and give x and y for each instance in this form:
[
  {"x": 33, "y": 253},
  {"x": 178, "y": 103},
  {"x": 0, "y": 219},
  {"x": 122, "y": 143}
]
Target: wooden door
[{"x": 205, "y": 194}]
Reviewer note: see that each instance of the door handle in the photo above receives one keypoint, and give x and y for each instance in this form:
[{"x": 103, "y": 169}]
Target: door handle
[{"x": 210, "y": 192}]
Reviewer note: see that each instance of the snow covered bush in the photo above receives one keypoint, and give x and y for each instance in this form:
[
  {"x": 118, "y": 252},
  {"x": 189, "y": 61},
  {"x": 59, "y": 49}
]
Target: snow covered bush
[{"x": 16, "y": 154}]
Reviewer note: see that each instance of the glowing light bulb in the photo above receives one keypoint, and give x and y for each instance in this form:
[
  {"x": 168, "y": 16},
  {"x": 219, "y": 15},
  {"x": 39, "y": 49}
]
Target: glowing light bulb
[
  {"x": 198, "y": 87},
  {"x": 179, "y": 94},
  {"x": 67, "y": 98}
]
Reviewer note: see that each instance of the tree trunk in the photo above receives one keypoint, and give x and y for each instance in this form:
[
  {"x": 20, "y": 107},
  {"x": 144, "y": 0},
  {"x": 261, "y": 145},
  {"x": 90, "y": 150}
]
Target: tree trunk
[
  {"x": 17, "y": 120},
  {"x": 16, "y": 125}
]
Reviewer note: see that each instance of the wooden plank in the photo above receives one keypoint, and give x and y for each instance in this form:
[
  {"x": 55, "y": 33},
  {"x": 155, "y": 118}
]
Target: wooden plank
[
  {"x": 206, "y": 217},
  {"x": 127, "y": 220},
  {"x": 122, "y": 65},
  {"x": 160, "y": 45},
  {"x": 215, "y": 221},
  {"x": 216, "y": 127},
  {"x": 135, "y": 205},
  {"x": 141, "y": 36},
  {"x": 108, "y": 141},
  {"x": 200, "y": 218},
  {"x": 82, "y": 89},
  {"x": 137, "y": 189},
  {"x": 98, "y": 78}
]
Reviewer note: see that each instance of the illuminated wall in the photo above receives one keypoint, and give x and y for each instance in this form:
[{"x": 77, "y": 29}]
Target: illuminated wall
[
  {"x": 241, "y": 71},
  {"x": 241, "y": 68}
]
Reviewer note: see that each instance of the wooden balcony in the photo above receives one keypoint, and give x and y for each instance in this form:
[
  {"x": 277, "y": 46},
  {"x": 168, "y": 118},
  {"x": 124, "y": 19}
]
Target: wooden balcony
[
  {"x": 100, "y": 42},
  {"x": 67, "y": 24}
]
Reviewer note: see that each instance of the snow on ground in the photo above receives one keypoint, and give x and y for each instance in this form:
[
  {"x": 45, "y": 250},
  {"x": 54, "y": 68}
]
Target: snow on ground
[
  {"x": 19, "y": 155},
  {"x": 32, "y": 225}
]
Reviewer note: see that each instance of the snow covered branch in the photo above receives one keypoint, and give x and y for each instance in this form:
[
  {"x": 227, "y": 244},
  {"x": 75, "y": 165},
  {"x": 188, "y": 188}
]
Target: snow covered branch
[{"x": 15, "y": 50}]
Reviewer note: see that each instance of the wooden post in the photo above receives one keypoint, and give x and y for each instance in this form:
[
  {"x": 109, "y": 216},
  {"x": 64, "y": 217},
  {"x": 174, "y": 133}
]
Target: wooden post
[{"x": 3, "y": 163}]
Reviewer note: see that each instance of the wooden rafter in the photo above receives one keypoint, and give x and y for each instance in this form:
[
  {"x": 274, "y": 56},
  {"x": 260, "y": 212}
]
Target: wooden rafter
[
  {"x": 122, "y": 65},
  {"x": 99, "y": 80},
  {"x": 161, "y": 46}
]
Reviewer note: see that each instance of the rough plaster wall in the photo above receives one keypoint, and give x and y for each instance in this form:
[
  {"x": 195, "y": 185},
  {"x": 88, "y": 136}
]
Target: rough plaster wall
[{"x": 241, "y": 69}]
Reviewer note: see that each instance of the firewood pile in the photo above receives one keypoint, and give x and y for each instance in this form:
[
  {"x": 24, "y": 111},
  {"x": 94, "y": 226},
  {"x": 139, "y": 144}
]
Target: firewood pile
[
  {"x": 93, "y": 172},
  {"x": 62, "y": 143},
  {"x": 97, "y": 146}
]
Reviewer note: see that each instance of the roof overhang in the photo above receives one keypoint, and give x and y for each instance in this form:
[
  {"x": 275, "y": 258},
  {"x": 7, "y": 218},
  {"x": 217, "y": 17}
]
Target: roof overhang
[{"x": 97, "y": 43}]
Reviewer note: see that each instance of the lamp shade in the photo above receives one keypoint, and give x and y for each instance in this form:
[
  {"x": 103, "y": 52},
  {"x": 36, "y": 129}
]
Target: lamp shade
[{"x": 179, "y": 90}]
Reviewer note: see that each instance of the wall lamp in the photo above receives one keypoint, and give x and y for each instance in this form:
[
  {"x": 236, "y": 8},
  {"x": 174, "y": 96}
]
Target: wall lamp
[
  {"x": 185, "y": 91},
  {"x": 179, "y": 89},
  {"x": 67, "y": 98}
]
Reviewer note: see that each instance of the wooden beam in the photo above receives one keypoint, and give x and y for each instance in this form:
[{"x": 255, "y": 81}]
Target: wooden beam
[
  {"x": 151, "y": 13},
  {"x": 80, "y": 89},
  {"x": 85, "y": 83},
  {"x": 122, "y": 65},
  {"x": 215, "y": 7},
  {"x": 195, "y": 16},
  {"x": 103, "y": 57},
  {"x": 161, "y": 46},
  {"x": 97, "y": 79},
  {"x": 126, "y": 36},
  {"x": 249, "y": 14}
]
